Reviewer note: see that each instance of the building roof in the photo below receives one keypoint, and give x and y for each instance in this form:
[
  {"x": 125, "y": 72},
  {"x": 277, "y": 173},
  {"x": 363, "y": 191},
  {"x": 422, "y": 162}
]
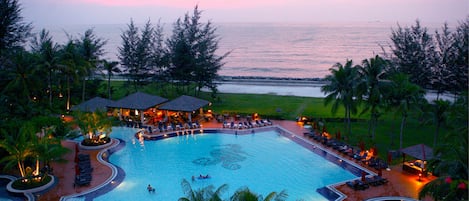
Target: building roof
[
  {"x": 184, "y": 103},
  {"x": 419, "y": 151},
  {"x": 139, "y": 101},
  {"x": 96, "y": 103}
]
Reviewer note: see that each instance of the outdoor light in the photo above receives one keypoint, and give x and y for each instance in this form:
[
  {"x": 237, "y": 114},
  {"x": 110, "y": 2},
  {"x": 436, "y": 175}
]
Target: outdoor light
[{"x": 420, "y": 176}]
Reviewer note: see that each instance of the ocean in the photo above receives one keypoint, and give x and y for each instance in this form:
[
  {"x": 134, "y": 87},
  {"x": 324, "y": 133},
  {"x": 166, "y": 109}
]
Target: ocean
[{"x": 270, "y": 49}]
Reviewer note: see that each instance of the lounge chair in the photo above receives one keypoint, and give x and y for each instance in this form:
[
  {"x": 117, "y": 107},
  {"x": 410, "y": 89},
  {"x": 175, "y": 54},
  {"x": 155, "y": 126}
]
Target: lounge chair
[
  {"x": 259, "y": 123},
  {"x": 357, "y": 185}
]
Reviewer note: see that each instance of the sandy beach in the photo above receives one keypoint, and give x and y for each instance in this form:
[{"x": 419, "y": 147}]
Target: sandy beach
[{"x": 286, "y": 87}]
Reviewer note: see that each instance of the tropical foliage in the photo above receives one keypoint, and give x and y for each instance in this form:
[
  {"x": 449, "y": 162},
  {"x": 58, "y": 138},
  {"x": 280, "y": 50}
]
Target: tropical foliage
[
  {"x": 342, "y": 90},
  {"x": 452, "y": 161},
  {"x": 209, "y": 193},
  {"x": 36, "y": 140},
  {"x": 439, "y": 62},
  {"x": 95, "y": 127}
]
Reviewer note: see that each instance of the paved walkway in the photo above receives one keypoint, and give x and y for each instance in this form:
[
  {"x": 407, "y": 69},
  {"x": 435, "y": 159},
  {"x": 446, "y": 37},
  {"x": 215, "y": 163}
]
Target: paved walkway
[{"x": 400, "y": 184}]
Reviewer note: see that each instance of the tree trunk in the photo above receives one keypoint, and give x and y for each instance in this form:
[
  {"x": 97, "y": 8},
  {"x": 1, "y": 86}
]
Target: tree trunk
[
  {"x": 68, "y": 93},
  {"x": 349, "y": 126},
  {"x": 373, "y": 130},
  {"x": 437, "y": 132},
  {"x": 50, "y": 89},
  {"x": 83, "y": 92},
  {"x": 404, "y": 117},
  {"x": 345, "y": 124},
  {"x": 21, "y": 168},
  {"x": 109, "y": 87}
]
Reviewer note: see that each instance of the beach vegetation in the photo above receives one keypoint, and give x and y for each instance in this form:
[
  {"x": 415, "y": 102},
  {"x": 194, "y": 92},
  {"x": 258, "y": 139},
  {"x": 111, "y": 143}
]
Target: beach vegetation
[
  {"x": 342, "y": 89},
  {"x": 451, "y": 163},
  {"x": 438, "y": 61},
  {"x": 192, "y": 54},
  {"x": 71, "y": 67},
  {"x": 141, "y": 53},
  {"x": 414, "y": 50},
  {"x": 110, "y": 68},
  {"x": 90, "y": 47},
  {"x": 372, "y": 88},
  {"x": 405, "y": 97},
  {"x": 46, "y": 52}
]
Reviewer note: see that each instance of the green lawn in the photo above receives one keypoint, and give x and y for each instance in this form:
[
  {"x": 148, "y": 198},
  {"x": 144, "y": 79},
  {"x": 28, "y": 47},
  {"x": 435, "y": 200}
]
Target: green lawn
[{"x": 290, "y": 107}]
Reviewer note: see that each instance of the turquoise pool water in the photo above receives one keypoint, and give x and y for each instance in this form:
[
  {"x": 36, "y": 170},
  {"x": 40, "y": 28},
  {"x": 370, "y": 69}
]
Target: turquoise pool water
[{"x": 264, "y": 162}]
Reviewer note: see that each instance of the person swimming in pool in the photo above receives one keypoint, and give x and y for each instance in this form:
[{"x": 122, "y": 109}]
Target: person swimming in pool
[
  {"x": 204, "y": 177},
  {"x": 150, "y": 189}
]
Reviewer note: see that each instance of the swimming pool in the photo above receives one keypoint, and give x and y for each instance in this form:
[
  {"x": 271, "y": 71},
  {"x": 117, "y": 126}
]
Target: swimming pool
[{"x": 264, "y": 162}]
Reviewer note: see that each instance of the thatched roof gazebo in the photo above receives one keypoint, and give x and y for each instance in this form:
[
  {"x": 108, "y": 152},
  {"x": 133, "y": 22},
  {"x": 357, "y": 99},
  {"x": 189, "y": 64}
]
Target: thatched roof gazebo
[
  {"x": 419, "y": 151},
  {"x": 96, "y": 103},
  {"x": 422, "y": 153},
  {"x": 138, "y": 101},
  {"x": 187, "y": 104}
]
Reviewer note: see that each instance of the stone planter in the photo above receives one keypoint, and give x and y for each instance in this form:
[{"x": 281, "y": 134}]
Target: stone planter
[
  {"x": 32, "y": 190},
  {"x": 84, "y": 147}
]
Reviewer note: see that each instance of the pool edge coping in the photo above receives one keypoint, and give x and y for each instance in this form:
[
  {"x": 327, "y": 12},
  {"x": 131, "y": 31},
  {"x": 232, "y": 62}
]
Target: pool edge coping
[
  {"x": 331, "y": 187},
  {"x": 114, "y": 171}
]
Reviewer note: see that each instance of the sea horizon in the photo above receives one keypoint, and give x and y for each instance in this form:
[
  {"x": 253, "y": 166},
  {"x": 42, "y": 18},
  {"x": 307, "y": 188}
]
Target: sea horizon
[{"x": 277, "y": 50}]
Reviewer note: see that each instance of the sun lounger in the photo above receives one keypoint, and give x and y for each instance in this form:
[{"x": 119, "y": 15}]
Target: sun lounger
[
  {"x": 357, "y": 185},
  {"x": 259, "y": 123}
]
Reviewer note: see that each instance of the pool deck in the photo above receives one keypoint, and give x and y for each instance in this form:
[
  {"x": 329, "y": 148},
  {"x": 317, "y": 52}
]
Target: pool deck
[{"x": 400, "y": 183}]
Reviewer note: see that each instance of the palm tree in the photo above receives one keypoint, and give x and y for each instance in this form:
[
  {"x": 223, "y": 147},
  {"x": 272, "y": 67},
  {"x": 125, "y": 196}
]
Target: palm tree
[
  {"x": 93, "y": 124},
  {"x": 47, "y": 55},
  {"x": 342, "y": 89},
  {"x": 110, "y": 68},
  {"x": 438, "y": 112},
  {"x": 22, "y": 84},
  {"x": 49, "y": 149},
  {"x": 244, "y": 194},
  {"x": 70, "y": 66},
  {"x": 19, "y": 145},
  {"x": 405, "y": 96},
  {"x": 205, "y": 194},
  {"x": 372, "y": 88},
  {"x": 452, "y": 161},
  {"x": 90, "y": 48}
]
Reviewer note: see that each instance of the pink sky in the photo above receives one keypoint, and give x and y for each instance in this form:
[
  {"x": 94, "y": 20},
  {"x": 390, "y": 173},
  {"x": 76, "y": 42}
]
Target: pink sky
[{"x": 120, "y": 11}]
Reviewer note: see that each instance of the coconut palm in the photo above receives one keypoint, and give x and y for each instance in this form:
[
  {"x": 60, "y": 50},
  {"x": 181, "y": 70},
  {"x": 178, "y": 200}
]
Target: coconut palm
[
  {"x": 48, "y": 148},
  {"x": 452, "y": 158},
  {"x": 110, "y": 68},
  {"x": 22, "y": 84},
  {"x": 438, "y": 113},
  {"x": 19, "y": 146},
  {"x": 71, "y": 63},
  {"x": 371, "y": 87},
  {"x": 405, "y": 96},
  {"x": 342, "y": 90},
  {"x": 244, "y": 194},
  {"x": 205, "y": 194},
  {"x": 92, "y": 124},
  {"x": 47, "y": 55},
  {"x": 90, "y": 48}
]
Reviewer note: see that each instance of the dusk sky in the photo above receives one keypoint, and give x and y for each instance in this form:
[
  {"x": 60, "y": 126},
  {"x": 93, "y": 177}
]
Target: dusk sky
[{"x": 59, "y": 12}]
